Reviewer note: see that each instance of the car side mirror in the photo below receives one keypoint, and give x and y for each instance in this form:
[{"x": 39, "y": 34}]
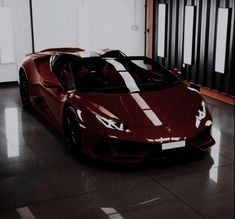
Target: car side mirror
[
  {"x": 176, "y": 72},
  {"x": 51, "y": 84}
]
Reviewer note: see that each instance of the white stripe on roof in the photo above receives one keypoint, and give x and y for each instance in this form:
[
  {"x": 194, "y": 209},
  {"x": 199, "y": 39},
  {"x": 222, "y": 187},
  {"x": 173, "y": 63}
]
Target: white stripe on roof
[
  {"x": 128, "y": 79},
  {"x": 117, "y": 65}
]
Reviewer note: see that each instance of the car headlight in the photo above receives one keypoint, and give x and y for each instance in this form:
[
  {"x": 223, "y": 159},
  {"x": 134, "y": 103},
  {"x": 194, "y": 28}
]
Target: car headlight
[
  {"x": 111, "y": 124},
  {"x": 201, "y": 114}
]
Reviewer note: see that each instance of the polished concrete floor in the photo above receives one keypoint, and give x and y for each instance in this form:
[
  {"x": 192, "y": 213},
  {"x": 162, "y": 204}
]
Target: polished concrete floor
[{"x": 40, "y": 179}]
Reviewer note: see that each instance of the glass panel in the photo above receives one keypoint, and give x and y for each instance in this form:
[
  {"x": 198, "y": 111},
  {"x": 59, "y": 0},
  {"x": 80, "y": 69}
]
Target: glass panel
[
  {"x": 6, "y": 36},
  {"x": 188, "y": 34},
  {"x": 161, "y": 30},
  {"x": 221, "y": 38},
  {"x": 121, "y": 75}
]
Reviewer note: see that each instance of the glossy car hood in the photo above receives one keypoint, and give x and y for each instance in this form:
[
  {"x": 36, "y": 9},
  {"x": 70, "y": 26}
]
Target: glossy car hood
[{"x": 171, "y": 106}]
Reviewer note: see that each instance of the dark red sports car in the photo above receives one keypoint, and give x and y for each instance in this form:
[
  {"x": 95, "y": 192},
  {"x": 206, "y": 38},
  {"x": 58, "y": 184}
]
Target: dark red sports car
[{"x": 115, "y": 107}]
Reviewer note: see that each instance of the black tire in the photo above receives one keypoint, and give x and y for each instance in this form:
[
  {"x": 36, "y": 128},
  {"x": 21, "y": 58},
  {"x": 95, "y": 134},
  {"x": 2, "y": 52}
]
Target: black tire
[
  {"x": 72, "y": 129},
  {"x": 24, "y": 90}
]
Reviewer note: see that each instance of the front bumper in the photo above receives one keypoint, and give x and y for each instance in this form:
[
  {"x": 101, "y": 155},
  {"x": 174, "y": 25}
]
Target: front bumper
[{"x": 123, "y": 151}]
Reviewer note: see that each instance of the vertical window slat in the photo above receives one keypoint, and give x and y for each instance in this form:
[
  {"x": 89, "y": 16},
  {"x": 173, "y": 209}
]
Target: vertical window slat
[
  {"x": 161, "y": 30},
  {"x": 6, "y": 37},
  {"x": 221, "y": 38},
  {"x": 188, "y": 34}
]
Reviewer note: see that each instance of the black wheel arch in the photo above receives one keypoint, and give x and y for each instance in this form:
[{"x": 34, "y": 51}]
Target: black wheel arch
[
  {"x": 22, "y": 70},
  {"x": 66, "y": 105},
  {"x": 69, "y": 144}
]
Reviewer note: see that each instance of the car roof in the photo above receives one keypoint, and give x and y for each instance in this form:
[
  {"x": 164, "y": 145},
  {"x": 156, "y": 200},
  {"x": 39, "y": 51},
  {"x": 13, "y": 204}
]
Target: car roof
[{"x": 77, "y": 52}]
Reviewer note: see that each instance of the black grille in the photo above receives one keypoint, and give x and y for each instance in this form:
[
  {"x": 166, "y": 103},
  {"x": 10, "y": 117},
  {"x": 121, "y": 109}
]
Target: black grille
[{"x": 119, "y": 146}]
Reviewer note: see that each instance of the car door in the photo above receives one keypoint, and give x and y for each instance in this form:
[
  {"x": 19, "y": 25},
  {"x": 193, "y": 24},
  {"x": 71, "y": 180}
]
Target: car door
[
  {"x": 54, "y": 97},
  {"x": 56, "y": 91}
]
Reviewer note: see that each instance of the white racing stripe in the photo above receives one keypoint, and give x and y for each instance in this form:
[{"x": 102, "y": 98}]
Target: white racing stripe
[
  {"x": 118, "y": 66},
  {"x": 140, "y": 101},
  {"x": 146, "y": 109},
  {"x": 25, "y": 213},
  {"x": 132, "y": 86},
  {"x": 128, "y": 79},
  {"x": 153, "y": 117}
]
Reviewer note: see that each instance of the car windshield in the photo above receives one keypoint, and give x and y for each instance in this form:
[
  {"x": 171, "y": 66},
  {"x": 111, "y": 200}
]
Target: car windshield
[{"x": 121, "y": 75}]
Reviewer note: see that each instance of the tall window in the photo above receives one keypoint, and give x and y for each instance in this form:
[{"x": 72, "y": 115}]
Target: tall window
[
  {"x": 188, "y": 34},
  {"x": 221, "y": 39},
  {"x": 6, "y": 36},
  {"x": 161, "y": 30}
]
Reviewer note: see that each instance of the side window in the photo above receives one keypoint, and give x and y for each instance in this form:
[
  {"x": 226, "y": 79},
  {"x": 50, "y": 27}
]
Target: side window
[
  {"x": 61, "y": 67},
  {"x": 66, "y": 77}
]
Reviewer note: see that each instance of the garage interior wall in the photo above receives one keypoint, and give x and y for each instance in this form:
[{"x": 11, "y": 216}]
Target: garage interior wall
[
  {"x": 19, "y": 24},
  {"x": 90, "y": 24},
  {"x": 202, "y": 69}
]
